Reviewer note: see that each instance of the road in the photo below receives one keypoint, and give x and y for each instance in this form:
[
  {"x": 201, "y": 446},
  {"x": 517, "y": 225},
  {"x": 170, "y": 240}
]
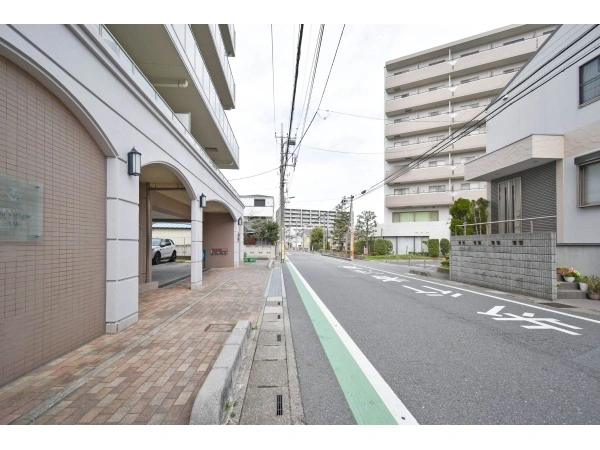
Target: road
[{"x": 376, "y": 345}]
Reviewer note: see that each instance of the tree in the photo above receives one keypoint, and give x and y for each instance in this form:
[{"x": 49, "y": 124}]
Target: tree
[
  {"x": 433, "y": 247},
  {"x": 341, "y": 222},
  {"x": 465, "y": 211},
  {"x": 266, "y": 230},
  {"x": 383, "y": 246},
  {"x": 316, "y": 237},
  {"x": 444, "y": 247},
  {"x": 366, "y": 225}
]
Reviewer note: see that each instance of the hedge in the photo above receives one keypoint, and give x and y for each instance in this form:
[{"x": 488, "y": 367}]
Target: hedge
[{"x": 433, "y": 245}]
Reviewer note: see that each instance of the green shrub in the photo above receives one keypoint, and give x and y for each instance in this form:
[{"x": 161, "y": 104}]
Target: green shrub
[
  {"x": 445, "y": 264},
  {"x": 444, "y": 246},
  {"x": 383, "y": 246},
  {"x": 433, "y": 245}
]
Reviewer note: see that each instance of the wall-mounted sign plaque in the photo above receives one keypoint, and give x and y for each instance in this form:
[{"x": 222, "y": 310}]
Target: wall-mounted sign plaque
[
  {"x": 21, "y": 209},
  {"x": 218, "y": 251}
]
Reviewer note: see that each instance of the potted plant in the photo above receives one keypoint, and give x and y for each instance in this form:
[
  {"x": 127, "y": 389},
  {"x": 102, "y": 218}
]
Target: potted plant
[
  {"x": 559, "y": 270},
  {"x": 583, "y": 284},
  {"x": 593, "y": 291},
  {"x": 570, "y": 275}
]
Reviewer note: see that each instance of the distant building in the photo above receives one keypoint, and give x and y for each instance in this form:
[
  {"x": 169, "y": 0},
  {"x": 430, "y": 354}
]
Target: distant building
[
  {"x": 428, "y": 96},
  {"x": 307, "y": 218},
  {"x": 258, "y": 206}
]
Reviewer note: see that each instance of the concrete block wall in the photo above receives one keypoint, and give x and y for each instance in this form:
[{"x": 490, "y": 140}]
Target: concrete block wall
[{"x": 521, "y": 263}]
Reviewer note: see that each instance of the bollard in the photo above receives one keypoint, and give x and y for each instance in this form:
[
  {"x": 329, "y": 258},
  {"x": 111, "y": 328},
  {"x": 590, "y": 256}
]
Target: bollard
[
  {"x": 423, "y": 263},
  {"x": 409, "y": 261}
]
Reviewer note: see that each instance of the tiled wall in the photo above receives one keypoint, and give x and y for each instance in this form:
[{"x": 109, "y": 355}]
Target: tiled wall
[
  {"x": 218, "y": 233},
  {"x": 52, "y": 293}
]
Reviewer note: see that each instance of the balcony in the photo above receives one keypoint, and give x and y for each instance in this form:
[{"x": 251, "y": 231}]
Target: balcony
[
  {"x": 168, "y": 56},
  {"x": 428, "y": 174},
  {"x": 433, "y": 123},
  {"x": 432, "y": 198},
  {"x": 484, "y": 87},
  {"x": 228, "y": 35},
  {"x": 487, "y": 59},
  {"x": 214, "y": 53},
  {"x": 107, "y": 41},
  {"x": 468, "y": 143}
]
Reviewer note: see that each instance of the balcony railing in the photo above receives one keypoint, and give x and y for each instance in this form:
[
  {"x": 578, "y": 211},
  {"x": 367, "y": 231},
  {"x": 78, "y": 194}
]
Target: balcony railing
[
  {"x": 447, "y": 87},
  {"x": 452, "y": 192},
  {"x": 136, "y": 75},
  {"x": 188, "y": 43},
  {"x": 218, "y": 40},
  {"x": 444, "y": 113},
  {"x": 467, "y": 56}
]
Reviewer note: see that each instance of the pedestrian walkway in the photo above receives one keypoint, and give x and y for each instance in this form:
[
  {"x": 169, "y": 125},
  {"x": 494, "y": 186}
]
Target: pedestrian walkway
[
  {"x": 151, "y": 372},
  {"x": 270, "y": 388}
]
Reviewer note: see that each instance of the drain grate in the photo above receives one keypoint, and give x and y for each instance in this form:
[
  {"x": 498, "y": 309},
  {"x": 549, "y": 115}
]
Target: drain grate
[
  {"x": 280, "y": 405},
  {"x": 558, "y": 305}
]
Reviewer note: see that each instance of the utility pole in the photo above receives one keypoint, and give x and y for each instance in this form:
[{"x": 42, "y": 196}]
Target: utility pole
[
  {"x": 282, "y": 200},
  {"x": 351, "y": 229}
]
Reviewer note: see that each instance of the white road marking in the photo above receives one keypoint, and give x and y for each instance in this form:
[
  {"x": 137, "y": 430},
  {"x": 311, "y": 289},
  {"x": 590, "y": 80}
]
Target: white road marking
[
  {"x": 385, "y": 392},
  {"x": 493, "y": 312},
  {"x": 456, "y": 295},
  {"x": 439, "y": 290},
  {"x": 487, "y": 295}
]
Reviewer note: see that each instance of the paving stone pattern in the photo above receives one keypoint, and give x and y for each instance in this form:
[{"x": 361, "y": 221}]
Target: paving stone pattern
[
  {"x": 156, "y": 381},
  {"x": 521, "y": 263}
]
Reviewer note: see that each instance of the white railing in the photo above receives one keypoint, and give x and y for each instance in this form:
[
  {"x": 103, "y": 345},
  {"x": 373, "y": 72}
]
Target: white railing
[
  {"x": 455, "y": 192},
  {"x": 467, "y": 56},
  {"x": 188, "y": 42},
  {"x": 218, "y": 40},
  {"x": 511, "y": 221},
  {"x": 447, "y": 87},
  {"x": 109, "y": 42}
]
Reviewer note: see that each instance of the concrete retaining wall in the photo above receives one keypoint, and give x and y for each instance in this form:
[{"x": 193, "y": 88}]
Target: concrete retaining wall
[
  {"x": 260, "y": 251},
  {"x": 523, "y": 263}
]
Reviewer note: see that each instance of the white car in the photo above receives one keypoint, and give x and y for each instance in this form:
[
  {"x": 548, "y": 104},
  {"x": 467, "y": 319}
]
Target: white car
[{"x": 163, "y": 249}]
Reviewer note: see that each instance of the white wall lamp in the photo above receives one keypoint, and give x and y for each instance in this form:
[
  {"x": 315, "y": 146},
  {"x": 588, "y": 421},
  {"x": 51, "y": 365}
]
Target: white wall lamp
[
  {"x": 134, "y": 162},
  {"x": 202, "y": 200}
]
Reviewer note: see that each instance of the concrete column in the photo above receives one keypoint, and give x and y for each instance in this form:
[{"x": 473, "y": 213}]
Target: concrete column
[
  {"x": 122, "y": 246},
  {"x": 237, "y": 238},
  {"x": 197, "y": 233}
]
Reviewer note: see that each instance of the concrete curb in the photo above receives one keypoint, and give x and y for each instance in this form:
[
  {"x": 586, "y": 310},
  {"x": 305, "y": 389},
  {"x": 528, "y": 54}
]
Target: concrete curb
[
  {"x": 209, "y": 406},
  {"x": 420, "y": 272}
]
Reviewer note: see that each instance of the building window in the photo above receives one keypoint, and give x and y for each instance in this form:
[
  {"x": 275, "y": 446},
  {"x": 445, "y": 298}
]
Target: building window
[
  {"x": 402, "y": 191},
  {"x": 466, "y": 159},
  {"x": 514, "y": 69},
  {"x": 465, "y": 186},
  {"x": 259, "y": 202},
  {"x": 401, "y": 72},
  {"x": 439, "y": 188},
  {"x": 589, "y": 81},
  {"x": 403, "y": 119},
  {"x": 468, "y": 80},
  {"x": 589, "y": 179},
  {"x": 415, "y": 216},
  {"x": 437, "y": 62},
  {"x": 470, "y": 53}
]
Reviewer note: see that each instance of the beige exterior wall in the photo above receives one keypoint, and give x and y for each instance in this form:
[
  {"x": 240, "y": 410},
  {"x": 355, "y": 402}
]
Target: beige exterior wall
[
  {"x": 52, "y": 293},
  {"x": 218, "y": 233}
]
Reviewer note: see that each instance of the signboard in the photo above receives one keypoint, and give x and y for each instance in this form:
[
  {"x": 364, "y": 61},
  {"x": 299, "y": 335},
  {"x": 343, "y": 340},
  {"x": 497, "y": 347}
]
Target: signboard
[
  {"x": 218, "y": 251},
  {"x": 21, "y": 209}
]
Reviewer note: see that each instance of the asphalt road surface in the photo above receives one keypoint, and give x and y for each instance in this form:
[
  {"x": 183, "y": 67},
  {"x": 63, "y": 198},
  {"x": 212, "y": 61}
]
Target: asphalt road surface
[{"x": 375, "y": 344}]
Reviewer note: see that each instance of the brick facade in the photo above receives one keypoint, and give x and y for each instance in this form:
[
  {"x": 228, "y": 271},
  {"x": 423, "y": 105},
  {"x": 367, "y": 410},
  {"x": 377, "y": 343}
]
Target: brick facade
[
  {"x": 52, "y": 293},
  {"x": 522, "y": 263}
]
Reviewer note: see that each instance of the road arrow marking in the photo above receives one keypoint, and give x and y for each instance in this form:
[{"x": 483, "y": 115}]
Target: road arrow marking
[{"x": 493, "y": 312}]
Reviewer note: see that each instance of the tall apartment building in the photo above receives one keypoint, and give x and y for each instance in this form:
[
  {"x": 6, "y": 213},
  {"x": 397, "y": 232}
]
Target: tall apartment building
[
  {"x": 428, "y": 96},
  {"x": 307, "y": 218},
  {"x": 105, "y": 129}
]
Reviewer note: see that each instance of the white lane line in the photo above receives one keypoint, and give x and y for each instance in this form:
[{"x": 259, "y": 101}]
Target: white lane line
[
  {"x": 385, "y": 392},
  {"x": 485, "y": 295}
]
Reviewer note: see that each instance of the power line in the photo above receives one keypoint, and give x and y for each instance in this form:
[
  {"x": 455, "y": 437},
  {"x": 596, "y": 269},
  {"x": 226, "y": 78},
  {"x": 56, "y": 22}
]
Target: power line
[
  {"x": 327, "y": 81},
  {"x": 256, "y": 175},
  {"x": 294, "y": 94},
  {"x": 337, "y": 151},
  {"x": 273, "y": 79}
]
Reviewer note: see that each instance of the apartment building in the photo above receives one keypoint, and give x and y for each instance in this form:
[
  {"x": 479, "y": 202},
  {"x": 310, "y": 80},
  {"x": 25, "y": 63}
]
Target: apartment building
[
  {"x": 105, "y": 129},
  {"x": 307, "y": 218},
  {"x": 428, "y": 96}
]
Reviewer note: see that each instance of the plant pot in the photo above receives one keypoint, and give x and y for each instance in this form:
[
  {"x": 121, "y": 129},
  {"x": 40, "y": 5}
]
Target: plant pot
[
  {"x": 559, "y": 271},
  {"x": 583, "y": 287},
  {"x": 593, "y": 296},
  {"x": 569, "y": 279}
]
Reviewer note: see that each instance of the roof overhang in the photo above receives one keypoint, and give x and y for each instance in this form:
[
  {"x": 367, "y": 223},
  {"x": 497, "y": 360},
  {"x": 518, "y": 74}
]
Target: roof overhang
[{"x": 533, "y": 151}]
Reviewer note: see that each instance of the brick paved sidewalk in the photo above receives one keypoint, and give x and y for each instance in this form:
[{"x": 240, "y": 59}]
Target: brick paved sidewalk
[{"x": 151, "y": 372}]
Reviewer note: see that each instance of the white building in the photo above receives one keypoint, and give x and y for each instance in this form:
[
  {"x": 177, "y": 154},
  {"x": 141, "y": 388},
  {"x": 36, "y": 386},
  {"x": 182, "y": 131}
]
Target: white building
[
  {"x": 74, "y": 101},
  {"x": 258, "y": 206},
  {"x": 428, "y": 96},
  {"x": 543, "y": 152}
]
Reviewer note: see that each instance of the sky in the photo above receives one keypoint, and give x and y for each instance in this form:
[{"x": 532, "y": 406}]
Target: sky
[{"x": 356, "y": 86}]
